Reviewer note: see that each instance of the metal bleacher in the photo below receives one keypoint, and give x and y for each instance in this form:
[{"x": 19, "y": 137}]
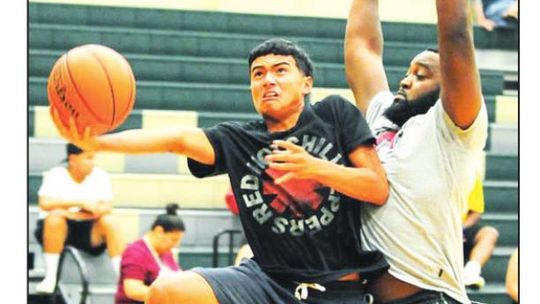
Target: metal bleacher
[{"x": 191, "y": 72}]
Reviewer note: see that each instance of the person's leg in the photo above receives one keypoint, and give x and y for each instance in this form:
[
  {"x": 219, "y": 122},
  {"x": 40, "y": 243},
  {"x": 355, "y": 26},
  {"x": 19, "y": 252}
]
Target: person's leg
[
  {"x": 54, "y": 233},
  {"x": 484, "y": 242},
  {"x": 106, "y": 229},
  {"x": 181, "y": 287},
  {"x": 242, "y": 284},
  {"x": 512, "y": 10},
  {"x": 497, "y": 12}
]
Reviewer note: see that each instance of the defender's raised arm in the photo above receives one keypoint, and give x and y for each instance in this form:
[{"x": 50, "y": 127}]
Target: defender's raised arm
[
  {"x": 460, "y": 81},
  {"x": 364, "y": 52}
]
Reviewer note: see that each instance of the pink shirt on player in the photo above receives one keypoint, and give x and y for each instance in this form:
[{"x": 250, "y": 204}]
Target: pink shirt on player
[{"x": 138, "y": 263}]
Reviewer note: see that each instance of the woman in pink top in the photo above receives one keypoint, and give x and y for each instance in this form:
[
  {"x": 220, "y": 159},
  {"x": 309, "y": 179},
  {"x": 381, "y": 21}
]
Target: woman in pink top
[{"x": 145, "y": 258}]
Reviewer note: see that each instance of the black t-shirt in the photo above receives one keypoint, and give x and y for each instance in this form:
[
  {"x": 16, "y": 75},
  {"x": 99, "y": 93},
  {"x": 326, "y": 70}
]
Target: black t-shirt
[{"x": 300, "y": 230}]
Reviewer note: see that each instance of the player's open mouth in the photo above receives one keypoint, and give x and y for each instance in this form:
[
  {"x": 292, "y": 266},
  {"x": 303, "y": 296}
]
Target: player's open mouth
[{"x": 270, "y": 95}]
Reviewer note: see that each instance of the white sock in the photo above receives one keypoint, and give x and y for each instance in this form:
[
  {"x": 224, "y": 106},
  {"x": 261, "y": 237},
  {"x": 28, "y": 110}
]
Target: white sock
[
  {"x": 116, "y": 264},
  {"x": 51, "y": 264},
  {"x": 472, "y": 269}
]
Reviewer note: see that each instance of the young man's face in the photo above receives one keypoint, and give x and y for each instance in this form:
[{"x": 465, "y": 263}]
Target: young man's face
[
  {"x": 419, "y": 90},
  {"x": 278, "y": 87}
]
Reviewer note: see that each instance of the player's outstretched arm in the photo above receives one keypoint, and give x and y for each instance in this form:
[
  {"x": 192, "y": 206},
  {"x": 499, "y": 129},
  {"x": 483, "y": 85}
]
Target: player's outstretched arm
[
  {"x": 365, "y": 181},
  {"x": 188, "y": 141},
  {"x": 364, "y": 51},
  {"x": 460, "y": 81}
]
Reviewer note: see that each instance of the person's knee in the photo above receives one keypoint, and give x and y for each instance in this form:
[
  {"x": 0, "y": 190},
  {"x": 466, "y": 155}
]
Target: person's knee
[
  {"x": 488, "y": 234},
  {"x": 55, "y": 220},
  {"x": 158, "y": 292},
  {"x": 180, "y": 287},
  {"x": 107, "y": 224},
  {"x": 106, "y": 220}
]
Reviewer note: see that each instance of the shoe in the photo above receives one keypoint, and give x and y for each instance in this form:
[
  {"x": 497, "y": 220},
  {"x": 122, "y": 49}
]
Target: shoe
[
  {"x": 46, "y": 286},
  {"x": 475, "y": 282}
]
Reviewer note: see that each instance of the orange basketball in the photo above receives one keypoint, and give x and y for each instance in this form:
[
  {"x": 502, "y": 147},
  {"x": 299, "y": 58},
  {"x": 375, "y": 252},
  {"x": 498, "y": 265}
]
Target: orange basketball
[{"x": 93, "y": 84}]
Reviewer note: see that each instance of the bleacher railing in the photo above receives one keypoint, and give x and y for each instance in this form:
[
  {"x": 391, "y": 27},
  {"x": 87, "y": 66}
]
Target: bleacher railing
[
  {"x": 83, "y": 272},
  {"x": 215, "y": 245}
]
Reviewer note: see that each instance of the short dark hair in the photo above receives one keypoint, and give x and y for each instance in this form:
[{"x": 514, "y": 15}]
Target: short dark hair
[
  {"x": 279, "y": 46},
  {"x": 170, "y": 221},
  {"x": 434, "y": 50}
]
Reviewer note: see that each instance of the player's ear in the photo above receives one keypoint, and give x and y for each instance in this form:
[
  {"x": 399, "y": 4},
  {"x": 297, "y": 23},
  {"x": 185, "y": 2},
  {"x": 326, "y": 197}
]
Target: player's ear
[{"x": 308, "y": 85}]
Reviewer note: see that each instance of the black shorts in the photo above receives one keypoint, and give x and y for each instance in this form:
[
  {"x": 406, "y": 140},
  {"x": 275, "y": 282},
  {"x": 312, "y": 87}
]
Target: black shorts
[
  {"x": 468, "y": 239},
  {"x": 79, "y": 236},
  {"x": 248, "y": 284}
]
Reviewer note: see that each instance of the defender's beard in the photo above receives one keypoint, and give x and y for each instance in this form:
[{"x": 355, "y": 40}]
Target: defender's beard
[{"x": 402, "y": 109}]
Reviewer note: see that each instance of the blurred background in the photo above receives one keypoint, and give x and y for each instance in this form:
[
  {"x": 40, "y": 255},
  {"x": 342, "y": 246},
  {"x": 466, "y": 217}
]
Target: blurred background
[{"x": 190, "y": 61}]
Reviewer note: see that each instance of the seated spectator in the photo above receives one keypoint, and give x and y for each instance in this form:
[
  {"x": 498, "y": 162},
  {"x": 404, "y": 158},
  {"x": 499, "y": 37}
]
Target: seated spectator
[
  {"x": 479, "y": 241},
  {"x": 496, "y": 13},
  {"x": 76, "y": 203},
  {"x": 512, "y": 278},
  {"x": 146, "y": 258}
]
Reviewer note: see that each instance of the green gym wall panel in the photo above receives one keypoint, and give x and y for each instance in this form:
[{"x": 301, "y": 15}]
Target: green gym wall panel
[
  {"x": 209, "y": 119},
  {"x": 495, "y": 268},
  {"x": 507, "y": 225},
  {"x": 189, "y": 96},
  {"x": 245, "y": 23},
  {"x": 172, "y": 96},
  {"x": 498, "y": 296},
  {"x": 502, "y": 167},
  {"x": 46, "y": 36},
  {"x": 212, "y": 70},
  {"x": 34, "y": 182},
  {"x": 500, "y": 196}
]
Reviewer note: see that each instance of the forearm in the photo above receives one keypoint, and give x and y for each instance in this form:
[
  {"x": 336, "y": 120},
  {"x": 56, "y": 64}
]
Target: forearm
[
  {"x": 136, "y": 290},
  {"x": 460, "y": 80},
  {"x": 364, "y": 27},
  {"x": 360, "y": 183},
  {"x": 188, "y": 141},
  {"x": 453, "y": 18},
  {"x": 48, "y": 204},
  {"x": 141, "y": 141},
  {"x": 364, "y": 52}
]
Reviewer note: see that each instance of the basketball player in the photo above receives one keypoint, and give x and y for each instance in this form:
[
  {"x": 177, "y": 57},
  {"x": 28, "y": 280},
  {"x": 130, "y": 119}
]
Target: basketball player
[
  {"x": 299, "y": 175},
  {"x": 429, "y": 135}
]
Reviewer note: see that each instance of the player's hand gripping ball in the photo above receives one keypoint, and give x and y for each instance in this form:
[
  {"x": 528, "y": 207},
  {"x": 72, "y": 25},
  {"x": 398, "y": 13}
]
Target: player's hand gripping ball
[{"x": 94, "y": 86}]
